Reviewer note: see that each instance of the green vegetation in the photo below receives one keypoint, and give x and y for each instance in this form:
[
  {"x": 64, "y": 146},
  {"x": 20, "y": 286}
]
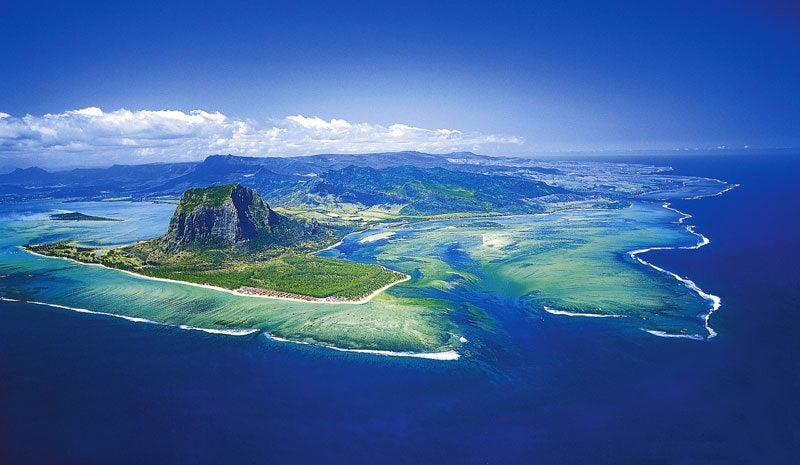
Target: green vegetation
[
  {"x": 299, "y": 275},
  {"x": 431, "y": 191},
  {"x": 292, "y": 274},
  {"x": 75, "y": 216},
  {"x": 227, "y": 236},
  {"x": 65, "y": 250},
  {"x": 213, "y": 196}
]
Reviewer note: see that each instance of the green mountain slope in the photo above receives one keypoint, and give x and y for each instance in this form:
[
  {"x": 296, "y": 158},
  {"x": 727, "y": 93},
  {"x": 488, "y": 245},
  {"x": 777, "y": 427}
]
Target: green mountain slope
[{"x": 431, "y": 191}]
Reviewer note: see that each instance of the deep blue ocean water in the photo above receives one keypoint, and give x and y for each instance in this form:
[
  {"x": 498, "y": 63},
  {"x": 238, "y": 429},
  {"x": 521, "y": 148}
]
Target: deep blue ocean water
[{"x": 88, "y": 389}]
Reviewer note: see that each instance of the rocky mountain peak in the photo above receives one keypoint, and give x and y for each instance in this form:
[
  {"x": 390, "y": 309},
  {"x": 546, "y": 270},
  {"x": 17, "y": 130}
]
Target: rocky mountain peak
[{"x": 220, "y": 214}]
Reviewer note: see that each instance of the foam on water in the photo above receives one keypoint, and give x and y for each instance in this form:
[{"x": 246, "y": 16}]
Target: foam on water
[
  {"x": 694, "y": 337},
  {"x": 729, "y": 188},
  {"x": 446, "y": 355},
  {"x": 229, "y": 332},
  {"x": 553, "y": 311},
  {"x": 93, "y": 312},
  {"x": 715, "y": 301}
]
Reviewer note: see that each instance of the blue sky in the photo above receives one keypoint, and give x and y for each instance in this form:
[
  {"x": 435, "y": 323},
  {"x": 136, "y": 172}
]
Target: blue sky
[{"x": 300, "y": 77}]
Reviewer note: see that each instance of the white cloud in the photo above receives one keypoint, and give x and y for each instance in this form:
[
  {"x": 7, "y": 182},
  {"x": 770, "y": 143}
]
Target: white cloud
[{"x": 171, "y": 135}]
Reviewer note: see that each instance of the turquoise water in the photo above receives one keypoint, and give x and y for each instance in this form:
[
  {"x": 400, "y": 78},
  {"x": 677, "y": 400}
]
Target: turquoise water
[
  {"x": 531, "y": 387},
  {"x": 466, "y": 274}
]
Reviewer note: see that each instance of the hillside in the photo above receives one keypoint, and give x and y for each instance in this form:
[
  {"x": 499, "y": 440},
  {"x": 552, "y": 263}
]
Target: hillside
[
  {"x": 431, "y": 191},
  {"x": 281, "y": 179}
]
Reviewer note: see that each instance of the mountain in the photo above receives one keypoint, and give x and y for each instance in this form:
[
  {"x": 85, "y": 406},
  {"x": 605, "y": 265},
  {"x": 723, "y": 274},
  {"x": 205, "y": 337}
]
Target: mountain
[
  {"x": 430, "y": 191},
  {"x": 419, "y": 183},
  {"x": 230, "y": 213},
  {"x": 223, "y": 216},
  {"x": 33, "y": 176}
]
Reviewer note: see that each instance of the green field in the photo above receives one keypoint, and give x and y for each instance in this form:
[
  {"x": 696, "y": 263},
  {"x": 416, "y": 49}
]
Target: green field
[{"x": 293, "y": 273}]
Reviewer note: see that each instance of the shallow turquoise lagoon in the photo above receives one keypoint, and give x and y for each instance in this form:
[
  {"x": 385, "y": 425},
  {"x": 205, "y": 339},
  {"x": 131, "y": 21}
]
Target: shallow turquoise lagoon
[{"x": 468, "y": 276}]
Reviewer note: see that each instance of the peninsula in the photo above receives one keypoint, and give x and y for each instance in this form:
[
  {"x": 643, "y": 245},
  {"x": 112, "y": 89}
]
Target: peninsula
[
  {"x": 229, "y": 237},
  {"x": 76, "y": 216}
]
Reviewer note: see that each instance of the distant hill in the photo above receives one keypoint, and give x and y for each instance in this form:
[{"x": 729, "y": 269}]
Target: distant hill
[
  {"x": 27, "y": 176},
  {"x": 418, "y": 183},
  {"x": 77, "y": 216},
  {"x": 431, "y": 191}
]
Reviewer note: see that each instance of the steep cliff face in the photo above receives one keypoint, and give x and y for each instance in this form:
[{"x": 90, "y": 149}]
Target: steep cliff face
[{"x": 222, "y": 215}]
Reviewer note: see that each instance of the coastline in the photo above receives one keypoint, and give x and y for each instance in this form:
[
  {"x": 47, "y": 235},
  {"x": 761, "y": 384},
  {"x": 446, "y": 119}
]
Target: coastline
[
  {"x": 238, "y": 292},
  {"x": 238, "y": 332}
]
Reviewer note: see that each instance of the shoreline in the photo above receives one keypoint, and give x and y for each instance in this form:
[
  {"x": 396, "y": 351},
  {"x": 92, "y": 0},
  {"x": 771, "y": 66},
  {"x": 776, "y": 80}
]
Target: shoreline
[
  {"x": 238, "y": 292},
  {"x": 271, "y": 294}
]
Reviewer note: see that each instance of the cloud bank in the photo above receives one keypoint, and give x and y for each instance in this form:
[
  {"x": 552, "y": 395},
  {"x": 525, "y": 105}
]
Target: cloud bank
[{"x": 123, "y": 135}]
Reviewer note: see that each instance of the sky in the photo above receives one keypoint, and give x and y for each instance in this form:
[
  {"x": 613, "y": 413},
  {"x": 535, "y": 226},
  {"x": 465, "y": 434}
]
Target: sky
[{"x": 97, "y": 83}]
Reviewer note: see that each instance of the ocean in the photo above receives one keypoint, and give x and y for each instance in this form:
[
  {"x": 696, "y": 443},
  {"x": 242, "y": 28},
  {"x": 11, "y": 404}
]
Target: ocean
[{"x": 90, "y": 389}]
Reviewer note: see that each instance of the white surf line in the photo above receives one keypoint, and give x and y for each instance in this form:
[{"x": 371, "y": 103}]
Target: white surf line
[
  {"x": 94, "y": 312},
  {"x": 312, "y": 300},
  {"x": 228, "y": 332},
  {"x": 655, "y": 332},
  {"x": 715, "y": 301},
  {"x": 446, "y": 355},
  {"x": 553, "y": 311},
  {"x": 727, "y": 189}
]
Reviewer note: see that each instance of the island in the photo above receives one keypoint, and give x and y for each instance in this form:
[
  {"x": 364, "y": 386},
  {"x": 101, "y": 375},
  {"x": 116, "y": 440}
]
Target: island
[
  {"x": 228, "y": 237},
  {"x": 77, "y": 216},
  {"x": 467, "y": 236}
]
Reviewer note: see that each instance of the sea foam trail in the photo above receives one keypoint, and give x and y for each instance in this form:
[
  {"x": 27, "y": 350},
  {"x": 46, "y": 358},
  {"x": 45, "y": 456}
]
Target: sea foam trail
[
  {"x": 588, "y": 315},
  {"x": 447, "y": 355},
  {"x": 654, "y": 332},
  {"x": 229, "y": 332},
  {"x": 94, "y": 312},
  {"x": 702, "y": 240}
]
